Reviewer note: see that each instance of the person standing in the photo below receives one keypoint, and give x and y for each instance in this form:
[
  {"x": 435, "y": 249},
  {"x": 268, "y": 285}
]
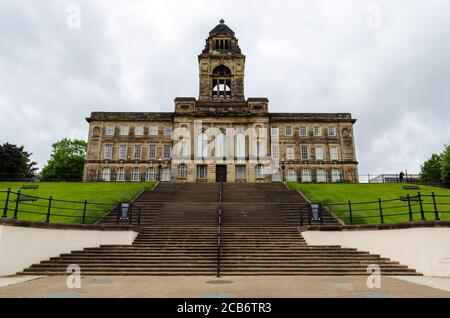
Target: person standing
[{"x": 401, "y": 177}]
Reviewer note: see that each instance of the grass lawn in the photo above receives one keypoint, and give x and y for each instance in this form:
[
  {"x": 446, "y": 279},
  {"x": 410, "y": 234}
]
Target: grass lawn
[
  {"x": 331, "y": 194},
  {"x": 69, "y": 212}
]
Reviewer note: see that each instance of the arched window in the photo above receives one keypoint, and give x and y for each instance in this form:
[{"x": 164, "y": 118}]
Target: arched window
[
  {"x": 105, "y": 175},
  {"x": 240, "y": 145},
  {"x": 221, "y": 85},
  {"x": 135, "y": 175},
  {"x": 221, "y": 145},
  {"x": 260, "y": 172},
  {"x": 151, "y": 174},
  {"x": 276, "y": 175},
  {"x": 182, "y": 171},
  {"x": 202, "y": 145},
  {"x": 165, "y": 175},
  {"x": 291, "y": 175},
  {"x": 121, "y": 174}
]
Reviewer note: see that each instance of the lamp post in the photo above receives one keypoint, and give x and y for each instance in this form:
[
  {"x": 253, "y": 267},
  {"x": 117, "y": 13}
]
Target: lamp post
[{"x": 282, "y": 170}]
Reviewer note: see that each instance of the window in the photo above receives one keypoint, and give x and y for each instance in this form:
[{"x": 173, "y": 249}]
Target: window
[
  {"x": 109, "y": 130},
  {"x": 167, "y": 151},
  {"x": 202, "y": 172},
  {"x": 240, "y": 145},
  {"x": 274, "y": 131},
  {"x": 135, "y": 175},
  {"x": 167, "y": 130},
  {"x": 121, "y": 174},
  {"x": 202, "y": 145},
  {"x": 151, "y": 174},
  {"x": 240, "y": 172},
  {"x": 335, "y": 175},
  {"x": 139, "y": 130},
  {"x": 332, "y": 131},
  {"x": 276, "y": 176},
  {"x": 221, "y": 144},
  {"x": 288, "y": 131},
  {"x": 306, "y": 175},
  {"x": 304, "y": 153},
  {"x": 317, "y": 131},
  {"x": 260, "y": 172},
  {"x": 137, "y": 152},
  {"x": 276, "y": 152},
  {"x": 291, "y": 175},
  {"x": 122, "y": 152},
  {"x": 105, "y": 175},
  {"x": 321, "y": 176},
  {"x": 124, "y": 130},
  {"x": 108, "y": 152},
  {"x": 290, "y": 153},
  {"x": 303, "y": 132},
  {"x": 152, "y": 152},
  {"x": 182, "y": 171},
  {"x": 334, "y": 153},
  {"x": 165, "y": 175},
  {"x": 221, "y": 83},
  {"x": 319, "y": 153},
  {"x": 153, "y": 130}
]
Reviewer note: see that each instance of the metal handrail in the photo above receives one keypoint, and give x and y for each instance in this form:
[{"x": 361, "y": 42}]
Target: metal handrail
[{"x": 219, "y": 227}]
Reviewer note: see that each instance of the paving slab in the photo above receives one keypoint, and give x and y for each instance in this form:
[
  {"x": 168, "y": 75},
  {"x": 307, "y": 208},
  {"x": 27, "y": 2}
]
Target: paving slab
[
  {"x": 225, "y": 287},
  {"x": 442, "y": 283},
  {"x": 11, "y": 280}
]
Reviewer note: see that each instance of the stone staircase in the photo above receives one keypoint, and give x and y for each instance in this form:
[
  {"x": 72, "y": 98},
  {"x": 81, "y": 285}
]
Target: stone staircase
[{"x": 260, "y": 236}]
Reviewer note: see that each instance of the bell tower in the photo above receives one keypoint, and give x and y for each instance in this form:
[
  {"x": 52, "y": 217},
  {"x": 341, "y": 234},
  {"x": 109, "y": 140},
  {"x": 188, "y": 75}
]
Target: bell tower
[{"x": 221, "y": 67}]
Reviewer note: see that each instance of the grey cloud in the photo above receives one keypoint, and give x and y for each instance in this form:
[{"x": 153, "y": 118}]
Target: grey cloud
[{"x": 306, "y": 56}]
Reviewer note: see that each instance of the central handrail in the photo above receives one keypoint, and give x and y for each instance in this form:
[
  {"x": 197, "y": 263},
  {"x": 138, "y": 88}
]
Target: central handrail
[{"x": 219, "y": 225}]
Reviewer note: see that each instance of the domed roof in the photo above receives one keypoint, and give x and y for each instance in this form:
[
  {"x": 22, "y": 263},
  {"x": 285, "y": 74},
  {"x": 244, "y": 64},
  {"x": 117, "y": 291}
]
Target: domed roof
[{"x": 221, "y": 29}]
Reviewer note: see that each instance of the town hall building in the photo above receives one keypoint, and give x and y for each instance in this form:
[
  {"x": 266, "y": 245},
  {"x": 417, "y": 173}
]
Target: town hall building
[{"x": 221, "y": 136}]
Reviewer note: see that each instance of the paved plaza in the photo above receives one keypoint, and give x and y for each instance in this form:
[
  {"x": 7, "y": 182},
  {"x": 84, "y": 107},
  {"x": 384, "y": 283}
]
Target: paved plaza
[{"x": 225, "y": 287}]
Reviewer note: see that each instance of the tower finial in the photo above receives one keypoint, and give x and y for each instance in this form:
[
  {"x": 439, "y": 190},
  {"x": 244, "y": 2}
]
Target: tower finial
[{"x": 222, "y": 21}]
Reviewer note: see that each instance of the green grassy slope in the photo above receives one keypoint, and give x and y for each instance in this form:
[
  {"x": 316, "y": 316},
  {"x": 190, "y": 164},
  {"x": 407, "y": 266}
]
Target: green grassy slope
[
  {"x": 106, "y": 193},
  {"x": 331, "y": 194}
]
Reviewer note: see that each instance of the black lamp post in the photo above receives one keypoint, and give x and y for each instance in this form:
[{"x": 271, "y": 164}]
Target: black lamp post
[{"x": 282, "y": 170}]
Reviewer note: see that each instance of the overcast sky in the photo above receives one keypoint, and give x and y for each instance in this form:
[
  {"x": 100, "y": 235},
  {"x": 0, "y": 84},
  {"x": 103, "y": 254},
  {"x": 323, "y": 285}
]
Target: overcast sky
[{"x": 386, "y": 62}]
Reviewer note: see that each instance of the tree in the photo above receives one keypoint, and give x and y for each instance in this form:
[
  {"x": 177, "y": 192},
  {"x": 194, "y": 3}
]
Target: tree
[
  {"x": 431, "y": 169},
  {"x": 66, "y": 162},
  {"x": 445, "y": 165},
  {"x": 15, "y": 163}
]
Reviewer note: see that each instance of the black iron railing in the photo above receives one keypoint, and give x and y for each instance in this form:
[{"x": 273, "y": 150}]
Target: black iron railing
[
  {"x": 17, "y": 204},
  {"x": 219, "y": 227},
  {"x": 414, "y": 207}
]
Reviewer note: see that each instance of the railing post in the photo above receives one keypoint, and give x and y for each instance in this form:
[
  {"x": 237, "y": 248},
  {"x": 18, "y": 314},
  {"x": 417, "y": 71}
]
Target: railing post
[
  {"x": 130, "y": 214},
  {"x": 381, "y": 211},
  {"x": 422, "y": 214},
  {"x": 436, "y": 212},
  {"x": 119, "y": 211},
  {"x": 47, "y": 220},
  {"x": 5, "y": 210},
  {"x": 301, "y": 216},
  {"x": 83, "y": 221},
  {"x": 139, "y": 215},
  {"x": 16, "y": 209},
  {"x": 411, "y": 218},
  {"x": 350, "y": 211},
  {"x": 309, "y": 214},
  {"x": 321, "y": 213}
]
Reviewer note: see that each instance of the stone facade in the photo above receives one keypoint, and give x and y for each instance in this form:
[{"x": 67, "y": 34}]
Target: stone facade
[{"x": 222, "y": 135}]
